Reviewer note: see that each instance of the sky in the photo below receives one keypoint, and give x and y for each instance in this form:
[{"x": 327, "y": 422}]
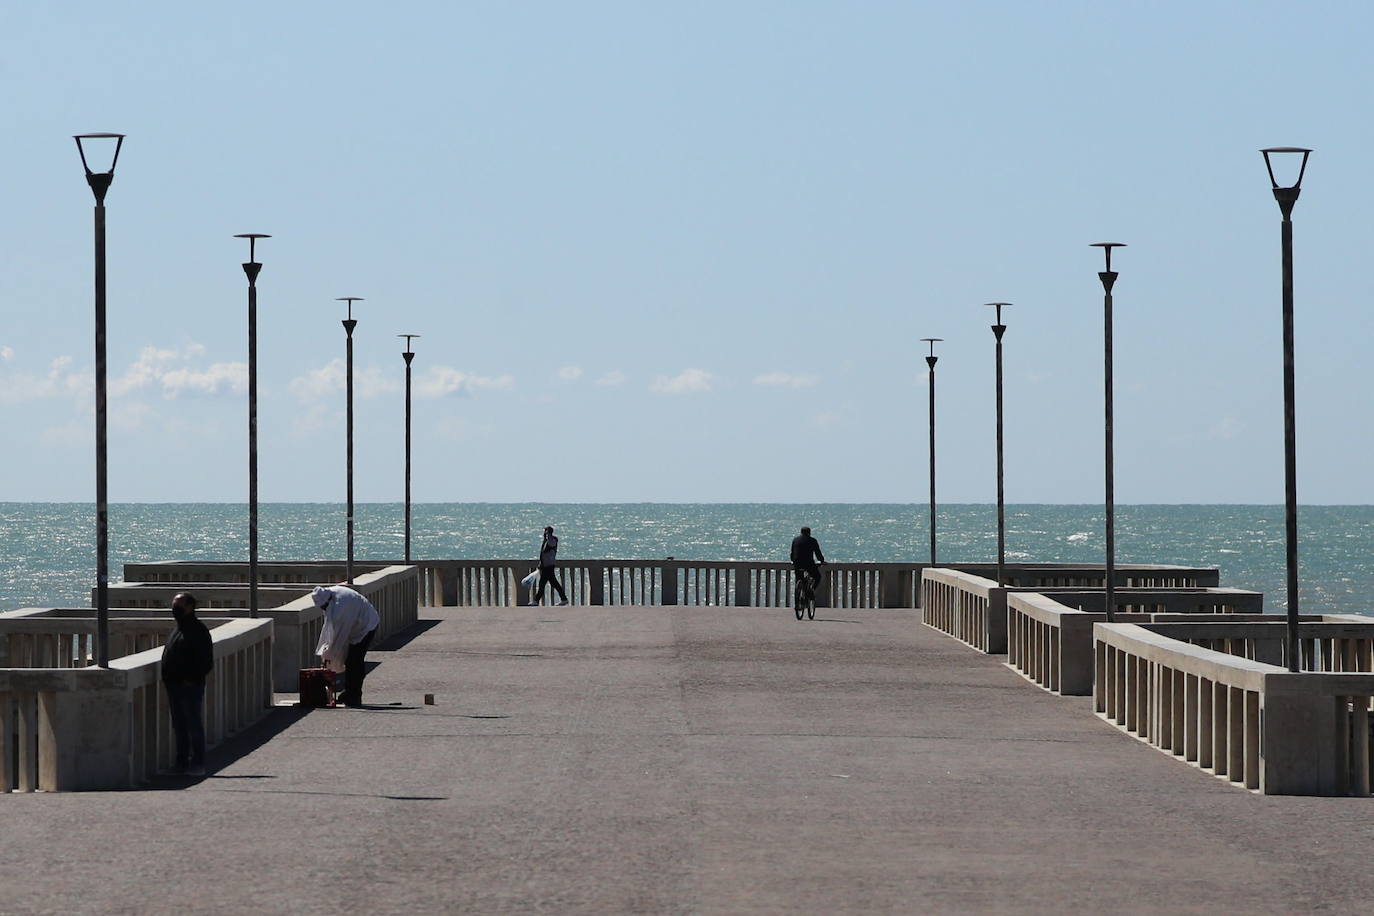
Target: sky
[{"x": 686, "y": 252}]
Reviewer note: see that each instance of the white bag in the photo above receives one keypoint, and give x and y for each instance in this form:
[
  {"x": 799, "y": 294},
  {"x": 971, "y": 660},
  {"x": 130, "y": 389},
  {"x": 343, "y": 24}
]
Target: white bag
[{"x": 530, "y": 580}]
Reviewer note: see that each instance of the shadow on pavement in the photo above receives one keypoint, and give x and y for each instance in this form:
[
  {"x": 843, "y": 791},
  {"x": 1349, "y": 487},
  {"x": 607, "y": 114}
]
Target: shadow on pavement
[
  {"x": 399, "y": 640},
  {"x": 278, "y": 720}
]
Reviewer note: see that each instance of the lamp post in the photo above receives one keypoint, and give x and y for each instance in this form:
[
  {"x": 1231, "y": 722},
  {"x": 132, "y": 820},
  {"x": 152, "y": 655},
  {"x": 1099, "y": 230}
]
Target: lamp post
[
  {"x": 100, "y": 183},
  {"x": 998, "y": 330},
  {"x": 408, "y": 356},
  {"x": 250, "y": 270},
  {"x": 1287, "y": 196},
  {"x": 1108, "y": 278},
  {"x": 930, "y": 361},
  {"x": 349, "y": 324}
]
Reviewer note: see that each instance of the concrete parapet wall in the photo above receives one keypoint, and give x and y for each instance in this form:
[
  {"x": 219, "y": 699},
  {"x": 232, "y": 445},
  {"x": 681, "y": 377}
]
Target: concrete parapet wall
[
  {"x": 1251, "y": 723},
  {"x": 970, "y": 608},
  {"x": 465, "y": 583},
  {"x": 394, "y": 591},
  {"x": 65, "y": 729}
]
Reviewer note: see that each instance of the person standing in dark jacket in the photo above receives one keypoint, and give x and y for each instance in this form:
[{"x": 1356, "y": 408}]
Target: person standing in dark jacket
[{"x": 186, "y": 660}]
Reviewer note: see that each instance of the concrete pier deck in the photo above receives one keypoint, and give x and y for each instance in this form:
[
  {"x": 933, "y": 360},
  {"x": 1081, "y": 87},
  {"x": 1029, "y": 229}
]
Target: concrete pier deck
[{"x": 687, "y": 760}]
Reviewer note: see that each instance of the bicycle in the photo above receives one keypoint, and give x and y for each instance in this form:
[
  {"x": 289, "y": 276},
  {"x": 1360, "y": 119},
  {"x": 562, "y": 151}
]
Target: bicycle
[{"x": 804, "y": 594}]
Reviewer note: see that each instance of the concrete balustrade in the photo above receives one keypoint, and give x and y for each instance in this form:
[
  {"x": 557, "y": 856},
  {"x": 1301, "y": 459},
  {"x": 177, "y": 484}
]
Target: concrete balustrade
[
  {"x": 52, "y": 638},
  {"x": 1252, "y": 723},
  {"x": 970, "y": 608},
  {"x": 1049, "y": 633},
  {"x": 496, "y": 583},
  {"x": 65, "y": 729},
  {"x": 466, "y": 583},
  {"x": 393, "y": 590},
  {"x": 974, "y": 609},
  {"x": 1332, "y": 643},
  {"x": 307, "y": 572}
]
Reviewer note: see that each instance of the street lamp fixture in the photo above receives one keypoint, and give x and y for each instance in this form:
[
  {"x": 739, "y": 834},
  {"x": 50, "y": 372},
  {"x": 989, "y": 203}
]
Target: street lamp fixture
[
  {"x": 1108, "y": 278},
  {"x": 99, "y": 182},
  {"x": 349, "y": 324},
  {"x": 408, "y": 355},
  {"x": 251, "y": 270},
  {"x": 930, "y": 361},
  {"x": 998, "y": 330},
  {"x": 1286, "y": 196}
]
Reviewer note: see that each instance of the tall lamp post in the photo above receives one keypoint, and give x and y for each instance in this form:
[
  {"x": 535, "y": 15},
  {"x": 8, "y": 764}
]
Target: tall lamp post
[
  {"x": 1287, "y": 196},
  {"x": 408, "y": 356},
  {"x": 100, "y": 183},
  {"x": 349, "y": 324},
  {"x": 251, "y": 270},
  {"x": 930, "y": 361},
  {"x": 1108, "y": 278},
  {"x": 998, "y": 330}
]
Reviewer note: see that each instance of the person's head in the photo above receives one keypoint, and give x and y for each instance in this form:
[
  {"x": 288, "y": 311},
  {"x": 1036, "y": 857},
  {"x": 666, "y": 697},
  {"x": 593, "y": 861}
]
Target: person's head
[
  {"x": 548, "y": 529},
  {"x": 322, "y": 597},
  {"x": 806, "y": 531},
  {"x": 183, "y": 605}
]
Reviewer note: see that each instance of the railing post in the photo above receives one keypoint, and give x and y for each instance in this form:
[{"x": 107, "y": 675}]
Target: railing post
[
  {"x": 669, "y": 584},
  {"x": 823, "y": 588},
  {"x": 743, "y": 589},
  {"x": 448, "y": 585}
]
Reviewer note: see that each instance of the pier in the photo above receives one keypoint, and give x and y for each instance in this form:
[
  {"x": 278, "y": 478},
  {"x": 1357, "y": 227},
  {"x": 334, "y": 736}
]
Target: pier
[
  {"x": 680, "y": 759},
  {"x": 676, "y": 741}
]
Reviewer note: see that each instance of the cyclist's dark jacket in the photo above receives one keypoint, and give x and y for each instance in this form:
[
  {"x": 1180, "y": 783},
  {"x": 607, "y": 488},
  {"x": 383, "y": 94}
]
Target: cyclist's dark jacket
[{"x": 804, "y": 548}]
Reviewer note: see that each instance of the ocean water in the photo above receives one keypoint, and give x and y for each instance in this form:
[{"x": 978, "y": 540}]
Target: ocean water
[{"x": 47, "y": 550}]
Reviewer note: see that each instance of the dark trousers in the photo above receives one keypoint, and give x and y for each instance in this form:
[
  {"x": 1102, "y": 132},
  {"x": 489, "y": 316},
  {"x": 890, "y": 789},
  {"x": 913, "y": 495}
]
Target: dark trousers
[
  {"x": 187, "y": 702},
  {"x": 546, "y": 577},
  {"x": 355, "y": 670}
]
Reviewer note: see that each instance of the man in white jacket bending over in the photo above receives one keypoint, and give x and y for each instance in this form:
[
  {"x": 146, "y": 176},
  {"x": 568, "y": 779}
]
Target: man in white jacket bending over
[{"x": 350, "y": 622}]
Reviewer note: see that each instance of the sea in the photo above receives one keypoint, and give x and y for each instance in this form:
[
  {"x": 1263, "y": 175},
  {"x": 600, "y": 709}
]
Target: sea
[{"x": 47, "y": 550}]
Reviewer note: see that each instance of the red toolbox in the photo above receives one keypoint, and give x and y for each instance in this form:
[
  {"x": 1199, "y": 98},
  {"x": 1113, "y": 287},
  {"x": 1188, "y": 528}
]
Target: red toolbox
[{"x": 317, "y": 687}]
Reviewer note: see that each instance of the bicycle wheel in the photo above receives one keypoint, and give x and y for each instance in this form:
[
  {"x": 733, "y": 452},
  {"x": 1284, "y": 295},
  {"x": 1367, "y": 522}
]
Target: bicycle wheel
[
  {"x": 799, "y": 600},
  {"x": 811, "y": 608}
]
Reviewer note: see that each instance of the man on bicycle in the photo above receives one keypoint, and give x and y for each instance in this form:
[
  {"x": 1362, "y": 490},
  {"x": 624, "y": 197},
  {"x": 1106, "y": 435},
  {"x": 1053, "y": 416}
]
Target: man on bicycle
[{"x": 806, "y": 553}]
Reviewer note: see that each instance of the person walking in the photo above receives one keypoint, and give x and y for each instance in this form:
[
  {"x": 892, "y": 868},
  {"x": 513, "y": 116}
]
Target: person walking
[
  {"x": 548, "y": 553},
  {"x": 186, "y": 660},
  {"x": 350, "y": 622}
]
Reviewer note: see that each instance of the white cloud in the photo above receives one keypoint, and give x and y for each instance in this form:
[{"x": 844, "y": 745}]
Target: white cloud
[
  {"x": 570, "y": 373},
  {"x": 785, "y": 380},
  {"x": 688, "y": 381},
  {"x": 128, "y": 416},
  {"x": 611, "y": 379},
  {"x": 175, "y": 372},
  {"x": 331, "y": 380},
  {"x": 59, "y": 382},
  {"x": 7, "y": 353},
  {"x": 443, "y": 380},
  {"x": 229, "y": 376},
  {"x": 319, "y": 383}
]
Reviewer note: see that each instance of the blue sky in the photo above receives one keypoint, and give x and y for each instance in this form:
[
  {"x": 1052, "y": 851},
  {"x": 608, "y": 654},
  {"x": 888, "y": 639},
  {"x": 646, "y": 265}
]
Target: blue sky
[{"x": 686, "y": 252}]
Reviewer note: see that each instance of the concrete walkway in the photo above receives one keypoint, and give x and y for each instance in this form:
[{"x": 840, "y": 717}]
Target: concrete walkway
[{"x": 687, "y": 760}]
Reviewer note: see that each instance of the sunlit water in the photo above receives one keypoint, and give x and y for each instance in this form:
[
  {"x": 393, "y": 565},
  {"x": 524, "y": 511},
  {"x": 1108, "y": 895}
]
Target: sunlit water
[{"x": 47, "y": 550}]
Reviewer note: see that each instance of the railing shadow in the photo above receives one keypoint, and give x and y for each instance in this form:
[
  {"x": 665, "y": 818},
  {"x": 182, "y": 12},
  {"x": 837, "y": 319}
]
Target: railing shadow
[
  {"x": 400, "y": 640},
  {"x": 235, "y": 748}
]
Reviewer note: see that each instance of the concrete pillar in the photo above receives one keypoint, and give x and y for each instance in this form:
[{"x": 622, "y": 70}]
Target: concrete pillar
[
  {"x": 743, "y": 589},
  {"x": 448, "y": 587},
  {"x": 997, "y": 622},
  {"x": 1298, "y": 745},
  {"x": 669, "y": 584}
]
